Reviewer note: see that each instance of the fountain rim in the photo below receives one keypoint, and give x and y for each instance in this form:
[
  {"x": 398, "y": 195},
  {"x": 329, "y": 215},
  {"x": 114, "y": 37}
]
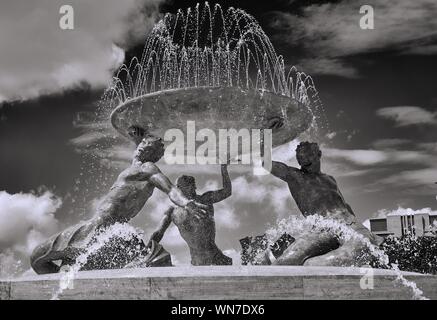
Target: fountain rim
[{"x": 125, "y": 103}]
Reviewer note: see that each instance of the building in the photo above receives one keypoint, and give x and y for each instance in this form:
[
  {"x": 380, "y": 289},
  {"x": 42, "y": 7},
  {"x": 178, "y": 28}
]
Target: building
[{"x": 418, "y": 224}]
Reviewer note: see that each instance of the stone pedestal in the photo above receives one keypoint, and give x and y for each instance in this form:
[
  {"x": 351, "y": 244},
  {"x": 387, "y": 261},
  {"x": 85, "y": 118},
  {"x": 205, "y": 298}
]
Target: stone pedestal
[{"x": 221, "y": 282}]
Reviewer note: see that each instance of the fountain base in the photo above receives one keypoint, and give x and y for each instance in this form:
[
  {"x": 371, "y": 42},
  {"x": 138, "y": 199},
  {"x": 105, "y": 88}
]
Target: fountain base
[{"x": 221, "y": 282}]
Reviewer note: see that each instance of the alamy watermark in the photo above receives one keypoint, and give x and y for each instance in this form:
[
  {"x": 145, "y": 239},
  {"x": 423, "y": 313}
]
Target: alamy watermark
[
  {"x": 66, "y": 21},
  {"x": 367, "y": 21},
  {"x": 367, "y": 280},
  {"x": 245, "y": 146}
]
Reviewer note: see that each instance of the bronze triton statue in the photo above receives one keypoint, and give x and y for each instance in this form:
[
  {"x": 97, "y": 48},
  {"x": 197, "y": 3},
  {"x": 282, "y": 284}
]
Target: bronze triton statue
[
  {"x": 317, "y": 193},
  {"x": 127, "y": 196},
  {"x": 198, "y": 231}
]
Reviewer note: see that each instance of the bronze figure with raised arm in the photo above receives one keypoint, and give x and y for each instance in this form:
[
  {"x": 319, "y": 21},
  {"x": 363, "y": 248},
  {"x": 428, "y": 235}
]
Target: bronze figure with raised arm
[
  {"x": 317, "y": 193},
  {"x": 198, "y": 231},
  {"x": 127, "y": 196}
]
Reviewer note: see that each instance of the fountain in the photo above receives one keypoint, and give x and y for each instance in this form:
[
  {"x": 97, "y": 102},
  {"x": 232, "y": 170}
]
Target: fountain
[{"x": 217, "y": 68}]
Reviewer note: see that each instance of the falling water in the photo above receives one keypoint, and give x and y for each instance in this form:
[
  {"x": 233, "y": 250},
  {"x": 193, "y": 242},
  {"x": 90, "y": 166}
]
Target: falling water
[
  {"x": 96, "y": 243},
  {"x": 209, "y": 46},
  {"x": 295, "y": 225}
]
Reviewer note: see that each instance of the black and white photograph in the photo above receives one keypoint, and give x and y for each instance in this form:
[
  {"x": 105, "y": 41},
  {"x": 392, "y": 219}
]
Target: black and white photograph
[{"x": 223, "y": 150}]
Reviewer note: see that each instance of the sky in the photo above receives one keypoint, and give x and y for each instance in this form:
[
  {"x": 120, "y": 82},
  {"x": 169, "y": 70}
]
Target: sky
[{"x": 378, "y": 88}]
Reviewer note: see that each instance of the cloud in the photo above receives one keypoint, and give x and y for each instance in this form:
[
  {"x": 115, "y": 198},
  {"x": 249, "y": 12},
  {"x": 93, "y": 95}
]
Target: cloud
[
  {"x": 400, "y": 211},
  {"x": 226, "y": 217},
  {"x": 101, "y": 141},
  {"x": 390, "y": 143},
  {"x": 327, "y": 66},
  {"x": 330, "y": 32},
  {"x": 428, "y": 146},
  {"x": 408, "y": 115},
  {"x": 412, "y": 178},
  {"x": 39, "y": 58},
  {"x": 370, "y": 157},
  {"x": 360, "y": 157},
  {"x": 172, "y": 238},
  {"x": 394, "y": 164},
  {"x": 27, "y": 218},
  {"x": 255, "y": 200}
]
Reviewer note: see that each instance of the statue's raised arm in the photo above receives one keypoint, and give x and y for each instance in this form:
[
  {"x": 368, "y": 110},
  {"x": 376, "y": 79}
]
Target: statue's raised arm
[
  {"x": 211, "y": 197},
  {"x": 163, "y": 226},
  {"x": 160, "y": 181},
  {"x": 280, "y": 170}
]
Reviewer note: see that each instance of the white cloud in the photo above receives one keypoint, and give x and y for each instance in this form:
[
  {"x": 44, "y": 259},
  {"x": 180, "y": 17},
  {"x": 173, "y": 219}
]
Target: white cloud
[
  {"x": 254, "y": 199},
  {"x": 400, "y": 211},
  {"x": 370, "y": 157},
  {"x": 360, "y": 157},
  {"x": 172, "y": 238},
  {"x": 325, "y": 66},
  {"x": 408, "y": 115},
  {"x": 390, "y": 143},
  {"x": 39, "y": 58},
  {"x": 26, "y": 219},
  {"x": 330, "y": 31},
  {"x": 412, "y": 178},
  {"x": 226, "y": 217},
  {"x": 397, "y": 165}
]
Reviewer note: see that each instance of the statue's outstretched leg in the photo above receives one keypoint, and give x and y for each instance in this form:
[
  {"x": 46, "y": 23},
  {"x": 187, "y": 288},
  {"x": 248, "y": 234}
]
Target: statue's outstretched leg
[
  {"x": 351, "y": 252},
  {"x": 307, "y": 246},
  {"x": 348, "y": 254}
]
